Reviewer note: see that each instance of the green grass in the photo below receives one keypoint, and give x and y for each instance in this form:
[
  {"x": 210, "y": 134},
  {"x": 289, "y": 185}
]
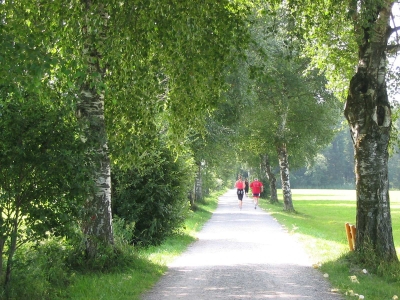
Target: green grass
[
  {"x": 319, "y": 223},
  {"x": 148, "y": 264}
]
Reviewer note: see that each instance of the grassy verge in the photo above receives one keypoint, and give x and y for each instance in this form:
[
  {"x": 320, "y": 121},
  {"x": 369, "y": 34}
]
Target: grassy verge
[
  {"x": 319, "y": 224},
  {"x": 147, "y": 266}
]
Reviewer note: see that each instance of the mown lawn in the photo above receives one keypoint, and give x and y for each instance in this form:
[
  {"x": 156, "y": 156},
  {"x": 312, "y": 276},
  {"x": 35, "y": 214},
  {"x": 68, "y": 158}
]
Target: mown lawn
[{"x": 319, "y": 223}]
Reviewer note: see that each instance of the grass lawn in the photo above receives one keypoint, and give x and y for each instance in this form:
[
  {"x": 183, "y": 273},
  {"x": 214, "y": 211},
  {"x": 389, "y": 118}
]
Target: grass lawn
[{"x": 319, "y": 223}]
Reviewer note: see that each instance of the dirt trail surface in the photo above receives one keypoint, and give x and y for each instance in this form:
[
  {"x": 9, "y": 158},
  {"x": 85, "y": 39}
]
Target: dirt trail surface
[{"x": 242, "y": 254}]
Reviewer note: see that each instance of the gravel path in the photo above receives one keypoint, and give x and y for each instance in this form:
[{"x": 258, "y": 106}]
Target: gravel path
[{"x": 242, "y": 254}]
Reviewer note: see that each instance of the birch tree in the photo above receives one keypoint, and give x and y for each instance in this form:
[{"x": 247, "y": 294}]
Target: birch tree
[
  {"x": 352, "y": 41},
  {"x": 293, "y": 111},
  {"x": 127, "y": 63}
]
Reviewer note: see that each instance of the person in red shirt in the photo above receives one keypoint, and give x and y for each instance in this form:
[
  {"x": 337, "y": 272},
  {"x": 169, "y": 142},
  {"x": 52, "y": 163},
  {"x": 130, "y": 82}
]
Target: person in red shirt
[
  {"x": 240, "y": 190},
  {"x": 257, "y": 188}
]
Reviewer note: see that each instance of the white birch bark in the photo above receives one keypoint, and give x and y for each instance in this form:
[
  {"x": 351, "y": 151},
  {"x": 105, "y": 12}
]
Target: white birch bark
[
  {"x": 369, "y": 116},
  {"x": 284, "y": 170},
  {"x": 97, "y": 225},
  {"x": 284, "y": 163}
]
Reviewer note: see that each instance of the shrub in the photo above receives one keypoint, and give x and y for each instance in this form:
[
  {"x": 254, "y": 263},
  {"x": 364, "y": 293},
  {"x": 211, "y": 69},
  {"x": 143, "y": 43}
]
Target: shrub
[
  {"x": 44, "y": 173},
  {"x": 40, "y": 272},
  {"x": 153, "y": 197}
]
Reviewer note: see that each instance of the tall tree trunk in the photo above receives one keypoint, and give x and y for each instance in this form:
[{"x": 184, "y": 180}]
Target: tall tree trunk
[
  {"x": 2, "y": 241},
  {"x": 11, "y": 251},
  {"x": 198, "y": 184},
  {"x": 284, "y": 169},
  {"x": 368, "y": 113},
  {"x": 272, "y": 180},
  {"x": 97, "y": 225}
]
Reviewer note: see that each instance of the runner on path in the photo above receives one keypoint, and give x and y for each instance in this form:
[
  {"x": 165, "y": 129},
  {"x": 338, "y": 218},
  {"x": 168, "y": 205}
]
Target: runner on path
[
  {"x": 242, "y": 255},
  {"x": 256, "y": 188},
  {"x": 240, "y": 191},
  {"x": 246, "y": 186}
]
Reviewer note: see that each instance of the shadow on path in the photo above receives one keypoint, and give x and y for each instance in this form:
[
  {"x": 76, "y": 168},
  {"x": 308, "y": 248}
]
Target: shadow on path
[{"x": 242, "y": 254}]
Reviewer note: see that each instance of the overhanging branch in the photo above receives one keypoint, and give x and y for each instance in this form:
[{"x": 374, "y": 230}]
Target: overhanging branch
[
  {"x": 394, "y": 30},
  {"x": 393, "y": 48}
]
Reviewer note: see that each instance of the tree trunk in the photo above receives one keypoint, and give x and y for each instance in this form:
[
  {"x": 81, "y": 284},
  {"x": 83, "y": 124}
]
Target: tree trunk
[
  {"x": 284, "y": 169},
  {"x": 272, "y": 180},
  {"x": 11, "y": 251},
  {"x": 368, "y": 113},
  {"x": 2, "y": 241},
  {"x": 97, "y": 225},
  {"x": 198, "y": 184}
]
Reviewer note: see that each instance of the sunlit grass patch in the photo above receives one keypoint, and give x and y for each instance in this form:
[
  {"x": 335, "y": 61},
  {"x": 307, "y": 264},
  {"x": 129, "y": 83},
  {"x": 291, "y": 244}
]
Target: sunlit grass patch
[
  {"x": 319, "y": 224},
  {"x": 149, "y": 265}
]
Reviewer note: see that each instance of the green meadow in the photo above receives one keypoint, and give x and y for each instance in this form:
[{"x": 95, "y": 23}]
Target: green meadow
[{"x": 319, "y": 224}]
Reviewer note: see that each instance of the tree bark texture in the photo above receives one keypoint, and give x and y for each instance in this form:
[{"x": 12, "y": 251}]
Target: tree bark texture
[
  {"x": 97, "y": 224},
  {"x": 2, "y": 241},
  {"x": 284, "y": 170},
  {"x": 198, "y": 184},
  {"x": 272, "y": 180},
  {"x": 11, "y": 249},
  {"x": 368, "y": 113}
]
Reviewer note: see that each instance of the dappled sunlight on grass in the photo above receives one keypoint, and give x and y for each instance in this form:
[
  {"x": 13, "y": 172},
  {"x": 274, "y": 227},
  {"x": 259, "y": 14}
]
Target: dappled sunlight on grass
[
  {"x": 323, "y": 214},
  {"x": 319, "y": 224},
  {"x": 322, "y": 250},
  {"x": 171, "y": 248}
]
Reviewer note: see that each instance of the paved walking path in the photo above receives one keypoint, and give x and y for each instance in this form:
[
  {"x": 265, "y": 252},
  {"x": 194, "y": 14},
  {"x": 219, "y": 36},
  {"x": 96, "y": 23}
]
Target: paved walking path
[{"x": 242, "y": 254}]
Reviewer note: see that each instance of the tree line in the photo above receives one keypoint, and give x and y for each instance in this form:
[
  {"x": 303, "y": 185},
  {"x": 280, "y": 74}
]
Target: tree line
[
  {"x": 134, "y": 110},
  {"x": 333, "y": 168}
]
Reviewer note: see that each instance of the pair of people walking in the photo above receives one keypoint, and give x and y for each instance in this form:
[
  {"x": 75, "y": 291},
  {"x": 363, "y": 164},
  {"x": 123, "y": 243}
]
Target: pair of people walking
[{"x": 242, "y": 188}]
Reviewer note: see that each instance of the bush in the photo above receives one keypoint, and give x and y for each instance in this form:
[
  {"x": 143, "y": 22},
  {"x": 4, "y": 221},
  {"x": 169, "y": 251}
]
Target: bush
[
  {"x": 153, "y": 197},
  {"x": 40, "y": 272},
  {"x": 108, "y": 258},
  {"x": 44, "y": 172}
]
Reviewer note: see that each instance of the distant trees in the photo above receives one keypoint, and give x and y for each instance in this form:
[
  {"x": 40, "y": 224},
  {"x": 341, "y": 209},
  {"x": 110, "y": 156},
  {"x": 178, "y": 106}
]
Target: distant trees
[
  {"x": 332, "y": 167},
  {"x": 291, "y": 112}
]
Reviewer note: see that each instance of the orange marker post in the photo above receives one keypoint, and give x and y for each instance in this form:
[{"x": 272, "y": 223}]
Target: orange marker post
[{"x": 351, "y": 233}]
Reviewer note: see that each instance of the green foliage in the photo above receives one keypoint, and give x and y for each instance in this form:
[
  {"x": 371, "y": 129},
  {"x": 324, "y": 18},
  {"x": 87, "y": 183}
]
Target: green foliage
[
  {"x": 43, "y": 179},
  {"x": 289, "y": 104},
  {"x": 332, "y": 167},
  {"x": 147, "y": 264},
  {"x": 329, "y": 39},
  {"x": 153, "y": 196},
  {"x": 43, "y": 167},
  {"x": 41, "y": 272}
]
